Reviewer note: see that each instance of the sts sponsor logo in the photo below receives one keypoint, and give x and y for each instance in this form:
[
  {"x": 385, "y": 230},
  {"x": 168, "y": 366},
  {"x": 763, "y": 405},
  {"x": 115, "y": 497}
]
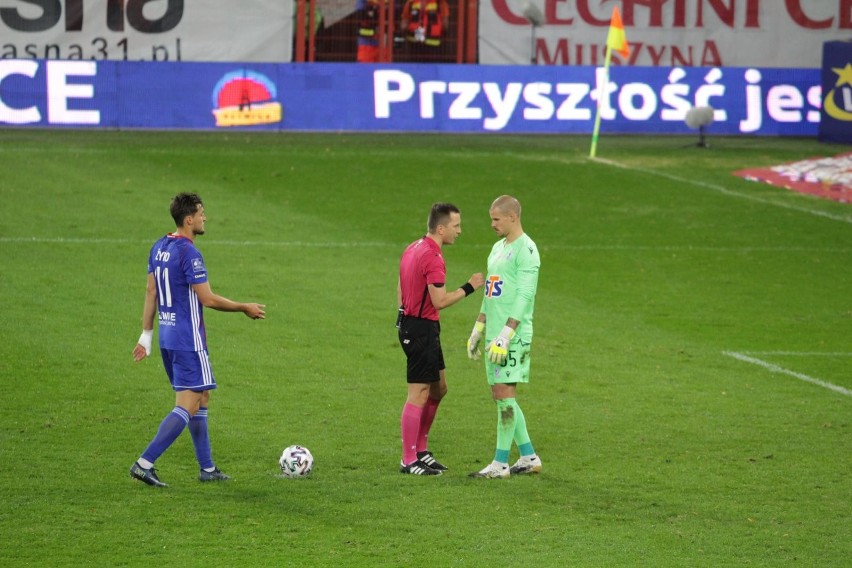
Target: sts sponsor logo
[
  {"x": 493, "y": 287},
  {"x": 245, "y": 98}
]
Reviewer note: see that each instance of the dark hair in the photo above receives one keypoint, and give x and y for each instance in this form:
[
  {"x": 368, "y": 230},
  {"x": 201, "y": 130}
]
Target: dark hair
[
  {"x": 184, "y": 205},
  {"x": 439, "y": 215}
]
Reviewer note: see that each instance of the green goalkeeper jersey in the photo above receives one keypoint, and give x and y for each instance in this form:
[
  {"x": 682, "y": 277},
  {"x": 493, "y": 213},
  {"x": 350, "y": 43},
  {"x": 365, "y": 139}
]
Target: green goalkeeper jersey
[{"x": 511, "y": 286}]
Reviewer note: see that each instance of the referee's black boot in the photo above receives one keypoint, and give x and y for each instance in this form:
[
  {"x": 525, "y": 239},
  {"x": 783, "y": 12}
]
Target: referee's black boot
[
  {"x": 429, "y": 459},
  {"x": 417, "y": 467}
]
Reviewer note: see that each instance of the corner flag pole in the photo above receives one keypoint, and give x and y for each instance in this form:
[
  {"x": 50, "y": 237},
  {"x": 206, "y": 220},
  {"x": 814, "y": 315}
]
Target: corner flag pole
[
  {"x": 601, "y": 94},
  {"x": 617, "y": 40}
]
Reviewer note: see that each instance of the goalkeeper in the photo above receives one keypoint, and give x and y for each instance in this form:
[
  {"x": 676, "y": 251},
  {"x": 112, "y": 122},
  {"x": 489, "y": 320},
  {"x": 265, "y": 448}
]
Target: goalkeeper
[{"x": 504, "y": 326}]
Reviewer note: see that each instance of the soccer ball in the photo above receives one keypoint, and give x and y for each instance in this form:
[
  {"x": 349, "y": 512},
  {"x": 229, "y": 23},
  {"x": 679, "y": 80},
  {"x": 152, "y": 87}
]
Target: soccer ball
[{"x": 296, "y": 461}]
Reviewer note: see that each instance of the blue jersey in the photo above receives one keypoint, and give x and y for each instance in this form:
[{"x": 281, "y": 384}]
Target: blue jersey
[{"x": 176, "y": 265}]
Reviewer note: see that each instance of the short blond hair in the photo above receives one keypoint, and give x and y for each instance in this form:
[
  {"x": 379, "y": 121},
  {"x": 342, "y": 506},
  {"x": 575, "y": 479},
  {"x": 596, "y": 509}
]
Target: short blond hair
[{"x": 507, "y": 204}]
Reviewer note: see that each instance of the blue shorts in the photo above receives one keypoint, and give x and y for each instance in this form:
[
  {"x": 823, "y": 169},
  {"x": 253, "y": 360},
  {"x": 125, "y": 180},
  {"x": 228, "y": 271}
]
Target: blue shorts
[{"x": 188, "y": 370}]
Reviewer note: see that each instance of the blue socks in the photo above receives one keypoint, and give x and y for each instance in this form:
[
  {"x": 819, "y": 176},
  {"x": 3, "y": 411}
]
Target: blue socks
[
  {"x": 201, "y": 440},
  {"x": 170, "y": 428}
]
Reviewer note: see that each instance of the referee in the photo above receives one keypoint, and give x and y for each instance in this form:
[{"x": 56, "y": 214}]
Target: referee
[{"x": 421, "y": 294}]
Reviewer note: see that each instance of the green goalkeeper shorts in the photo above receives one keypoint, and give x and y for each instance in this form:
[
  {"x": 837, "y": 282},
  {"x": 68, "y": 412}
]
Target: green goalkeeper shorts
[{"x": 516, "y": 369}]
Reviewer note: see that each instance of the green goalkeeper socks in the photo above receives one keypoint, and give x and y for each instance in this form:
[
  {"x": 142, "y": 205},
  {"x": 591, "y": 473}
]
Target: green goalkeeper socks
[{"x": 511, "y": 427}]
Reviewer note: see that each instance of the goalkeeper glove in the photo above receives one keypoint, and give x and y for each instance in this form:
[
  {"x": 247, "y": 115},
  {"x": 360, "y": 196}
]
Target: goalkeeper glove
[
  {"x": 473, "y": 341},
  {"x": 145, "y": 340},
  {"x": 498, "y": 349}
]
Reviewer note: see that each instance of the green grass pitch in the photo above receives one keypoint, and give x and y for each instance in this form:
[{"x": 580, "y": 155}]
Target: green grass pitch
[{"x": 689, "y": 325}]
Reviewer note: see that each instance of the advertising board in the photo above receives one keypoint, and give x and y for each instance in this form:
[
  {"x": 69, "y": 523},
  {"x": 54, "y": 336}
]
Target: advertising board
[{"x": 410, "y": 98}]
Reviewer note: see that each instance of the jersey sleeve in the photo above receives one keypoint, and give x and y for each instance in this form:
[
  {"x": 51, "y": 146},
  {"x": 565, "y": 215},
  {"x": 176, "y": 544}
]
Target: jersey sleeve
[
  {"x": 151, "y": 253},
  {"x": 436, "y": 271},
  {"x": 193, "y": 267},
  {"x": 528, "y": 264}
]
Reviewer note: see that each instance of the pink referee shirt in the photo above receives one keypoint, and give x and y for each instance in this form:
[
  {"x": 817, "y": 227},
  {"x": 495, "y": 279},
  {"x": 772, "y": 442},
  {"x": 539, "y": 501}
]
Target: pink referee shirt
[{"x": 421, "y": 265}]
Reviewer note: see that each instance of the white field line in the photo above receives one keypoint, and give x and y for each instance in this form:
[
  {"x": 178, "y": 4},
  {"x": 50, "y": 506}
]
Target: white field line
[
  {"x": 96, "y": 241},
  {"x": 799, "y": 353},
  {"x": 725, "y": 191},
  {"x": 375, "y": 244},
  {"x": 776, "y": 369}
]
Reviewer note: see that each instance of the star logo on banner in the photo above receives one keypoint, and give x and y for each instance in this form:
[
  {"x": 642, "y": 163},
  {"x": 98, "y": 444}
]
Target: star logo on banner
[
  {"x": 844, "y": 75},
  {"x": 832, "y": 109}
]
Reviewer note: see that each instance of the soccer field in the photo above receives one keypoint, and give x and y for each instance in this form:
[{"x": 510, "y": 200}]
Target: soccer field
[{"x": 690, "y": 397}]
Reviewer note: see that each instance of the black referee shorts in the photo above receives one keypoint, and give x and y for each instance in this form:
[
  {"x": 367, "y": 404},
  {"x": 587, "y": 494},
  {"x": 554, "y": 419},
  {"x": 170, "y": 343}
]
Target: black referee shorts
[{"x": 421, "y": 341}]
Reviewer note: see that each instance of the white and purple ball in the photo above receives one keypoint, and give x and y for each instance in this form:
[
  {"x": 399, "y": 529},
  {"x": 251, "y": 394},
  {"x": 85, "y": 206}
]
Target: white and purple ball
[{"x": 296, "y": 461}]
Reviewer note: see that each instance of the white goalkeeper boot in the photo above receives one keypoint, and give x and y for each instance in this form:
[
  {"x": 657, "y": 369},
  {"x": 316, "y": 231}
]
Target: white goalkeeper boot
[
  {"x": 526, "y": 465},
  {"x": 493, "y": 470}
]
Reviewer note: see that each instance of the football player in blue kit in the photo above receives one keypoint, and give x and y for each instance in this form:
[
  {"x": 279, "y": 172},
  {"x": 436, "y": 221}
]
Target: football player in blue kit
[{"x": 176, "y": 293}]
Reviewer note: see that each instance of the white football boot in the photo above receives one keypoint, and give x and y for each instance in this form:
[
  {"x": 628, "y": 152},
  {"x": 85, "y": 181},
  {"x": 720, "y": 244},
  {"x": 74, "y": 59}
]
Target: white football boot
[
  {"x": 493, "y": 470},
  {"x": 526, "y": 465}
]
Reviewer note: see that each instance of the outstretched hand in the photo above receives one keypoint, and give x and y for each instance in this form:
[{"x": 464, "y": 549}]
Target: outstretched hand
[{"x": 255, "y": 311}]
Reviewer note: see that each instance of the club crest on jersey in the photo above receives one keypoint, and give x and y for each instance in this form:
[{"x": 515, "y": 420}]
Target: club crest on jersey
[{"x": 494, "y": 287}]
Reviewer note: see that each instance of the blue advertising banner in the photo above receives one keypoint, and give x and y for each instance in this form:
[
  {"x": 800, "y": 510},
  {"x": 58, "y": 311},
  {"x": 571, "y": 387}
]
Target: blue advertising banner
[
  {"x": 410, "y": 98},
  {"x": 836, "y": 122}
]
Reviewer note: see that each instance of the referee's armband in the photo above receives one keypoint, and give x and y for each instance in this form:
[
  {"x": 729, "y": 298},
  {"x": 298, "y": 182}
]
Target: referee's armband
[{"x": 468, "y": 288}]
